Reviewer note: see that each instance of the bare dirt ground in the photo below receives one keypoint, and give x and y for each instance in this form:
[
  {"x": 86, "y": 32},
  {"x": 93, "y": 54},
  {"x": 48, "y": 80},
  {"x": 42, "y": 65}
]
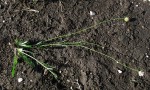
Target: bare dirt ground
[{"x": 78, "y": 69}]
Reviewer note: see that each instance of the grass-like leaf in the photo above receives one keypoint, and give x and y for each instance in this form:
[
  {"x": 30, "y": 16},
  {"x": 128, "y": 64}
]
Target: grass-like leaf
[
  {"x": 22, "y": 44},
  {"x": 15, "y": 61},
  {"x": 44, "y": 65}
]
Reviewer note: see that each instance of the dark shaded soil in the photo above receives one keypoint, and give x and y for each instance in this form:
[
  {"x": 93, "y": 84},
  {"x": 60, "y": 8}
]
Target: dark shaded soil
[{"x": 78, "y": 69}]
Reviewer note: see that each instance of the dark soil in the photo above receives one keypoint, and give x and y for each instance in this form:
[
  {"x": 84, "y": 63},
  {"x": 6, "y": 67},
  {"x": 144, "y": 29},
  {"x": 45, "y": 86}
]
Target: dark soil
[{"x": 78, "y": 69}]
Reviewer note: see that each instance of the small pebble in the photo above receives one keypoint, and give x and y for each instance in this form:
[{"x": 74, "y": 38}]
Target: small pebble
[
  {"x": 68, "y": 80},
  {"x": 71, "y": 88},
  {"x": 20, "y": 80},
  {"x": 119, "y": 71},
  {"x": 31, "y": 80},
  {"x": 92, "y": 13},
  {"x": 141, "y": 73},
  {"x": 136, "y": 5},
  {"x": 5, "y": 2},
  {"x": 146, "y": 55},
  {"x": 9, "y": 44}
]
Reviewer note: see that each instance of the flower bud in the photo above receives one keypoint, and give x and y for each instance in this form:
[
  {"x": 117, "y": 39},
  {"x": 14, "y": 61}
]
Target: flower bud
[{"x": 126, "y": 19}]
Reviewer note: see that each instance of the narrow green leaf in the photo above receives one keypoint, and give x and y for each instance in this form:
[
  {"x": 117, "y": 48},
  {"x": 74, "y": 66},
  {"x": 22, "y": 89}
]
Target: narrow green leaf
[
  {"x": 16, "y": 41},
  {"x": 22, "y": 44},
  {"x": 27, "y": 60},
  {"x": 25, "y": 45},
  {"x": 15, "y": 61},
  {"x": 39, "y": 43}
]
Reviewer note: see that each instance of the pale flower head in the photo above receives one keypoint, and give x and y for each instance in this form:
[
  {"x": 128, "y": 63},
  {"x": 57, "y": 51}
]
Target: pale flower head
[{"x": 126, "y": 19}]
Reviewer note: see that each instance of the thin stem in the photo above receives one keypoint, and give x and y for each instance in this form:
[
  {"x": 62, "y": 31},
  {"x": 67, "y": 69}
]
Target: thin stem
[
  {"x": 36, "y": 61},
  {"x": 110, "y": 58},
  {"x": 63, "y": 44},
  {"x": 69, "y": 43},
  {"x": 28, "y": 51},
  {"x": 56, "y": 44},
  {"x": 82, "y": 30},
  {"x": 79, "y": 44}
]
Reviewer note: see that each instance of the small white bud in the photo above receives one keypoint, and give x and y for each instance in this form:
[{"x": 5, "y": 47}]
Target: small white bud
[{"x": 126, "y": 19}]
